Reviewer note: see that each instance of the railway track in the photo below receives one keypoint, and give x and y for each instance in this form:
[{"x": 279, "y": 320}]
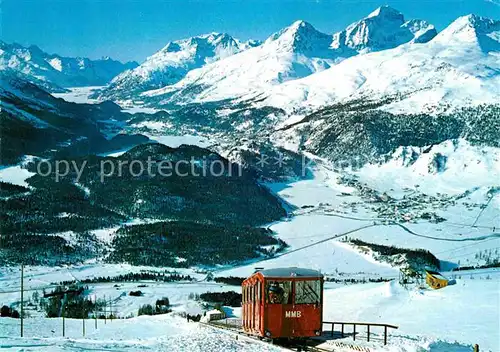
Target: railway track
[{"x": 288, "y": 347}]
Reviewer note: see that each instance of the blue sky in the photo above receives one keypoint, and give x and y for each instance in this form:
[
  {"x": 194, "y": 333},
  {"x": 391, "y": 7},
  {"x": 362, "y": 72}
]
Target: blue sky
[{"x": 135, "y": 29}]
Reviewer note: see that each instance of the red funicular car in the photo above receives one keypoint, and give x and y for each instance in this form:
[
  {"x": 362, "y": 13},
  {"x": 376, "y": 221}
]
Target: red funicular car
[{"x": 283, "y": 303}]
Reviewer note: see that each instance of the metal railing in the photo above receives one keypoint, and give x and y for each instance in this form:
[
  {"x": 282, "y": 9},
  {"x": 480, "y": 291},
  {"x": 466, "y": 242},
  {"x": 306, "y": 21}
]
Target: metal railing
[{"x": 355, "y": 324}]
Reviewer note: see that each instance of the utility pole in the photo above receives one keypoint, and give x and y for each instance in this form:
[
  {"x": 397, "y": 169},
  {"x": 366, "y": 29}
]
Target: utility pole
[
  {"x": 83, "y": 319},
  {"x": 111, "y": 310},
  {"x": 22, "y": 299},
  {"x": 105, "y": 304},
  {"x": 63, "y": 314},
  {"x": 95, "y": 311}
]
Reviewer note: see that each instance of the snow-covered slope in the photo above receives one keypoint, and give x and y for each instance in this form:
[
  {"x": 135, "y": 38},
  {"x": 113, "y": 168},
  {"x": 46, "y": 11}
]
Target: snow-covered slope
[
  {"x": 459, "y": 67},
  {"x": 55, "y": 72},
  {"x": 296, "y": 51},
  {"x": 451, "y": 167},
  {"x": 171, "y": 64}
]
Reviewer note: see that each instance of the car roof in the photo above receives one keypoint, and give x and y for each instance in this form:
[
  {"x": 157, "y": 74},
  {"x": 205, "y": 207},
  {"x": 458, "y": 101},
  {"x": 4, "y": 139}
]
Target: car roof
[{"x": 291, "y": 272}]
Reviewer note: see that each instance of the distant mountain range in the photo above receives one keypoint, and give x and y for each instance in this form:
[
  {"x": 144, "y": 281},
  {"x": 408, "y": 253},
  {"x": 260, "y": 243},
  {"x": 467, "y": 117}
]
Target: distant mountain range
[
  {"x": 300, "y": 85},
  {"x": 300, "y": 69},
  {"x": 381, "y": 57},
  {"x": 294, "y": 52},
  {"x": 54, "y": 72},
  {"x": 459, "y": 67}
]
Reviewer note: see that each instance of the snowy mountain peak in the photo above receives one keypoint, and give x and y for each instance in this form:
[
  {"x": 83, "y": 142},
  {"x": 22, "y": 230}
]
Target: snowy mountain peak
[
  {"x": 218, "y": 38},
  {"x": 210, "y": 40},
  {"x": 479, "y": 22},
  {"x": 221, "y": 44},
  {"x": 384, "y": 28},
  {"x": 481, "y": 31},
  {"x": 473, "y": 22},
  {"x": 300, "y": 26},
  {"x": 34, "y": 49},
  {"x": 458, "y": 68},
  {"x": 299, "y": 37},
  {"x": 297, "y": 28},
  {"x": 294, "y": 52},
  {"x": 170, "y": 64},
  {"x": 387, "y": 12}
]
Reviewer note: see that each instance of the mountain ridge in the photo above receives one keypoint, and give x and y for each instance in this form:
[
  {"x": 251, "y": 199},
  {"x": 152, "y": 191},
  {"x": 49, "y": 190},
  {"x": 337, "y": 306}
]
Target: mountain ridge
[
  {"x": 419, "y": 78},
  {"x": 171, "y": 63},
  {"x": 58, "y": 72},
  {"x": 294, "y": 52}
]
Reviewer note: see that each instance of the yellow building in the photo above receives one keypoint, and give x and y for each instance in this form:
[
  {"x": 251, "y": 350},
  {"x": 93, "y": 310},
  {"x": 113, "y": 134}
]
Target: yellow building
[{"x": 435, "y": 279}]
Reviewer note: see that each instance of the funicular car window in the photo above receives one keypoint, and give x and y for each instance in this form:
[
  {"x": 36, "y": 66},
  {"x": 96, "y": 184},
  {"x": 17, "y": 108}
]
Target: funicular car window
[
  {"x": 307, "y": 292},
  {"x": 279, "y": 292}
]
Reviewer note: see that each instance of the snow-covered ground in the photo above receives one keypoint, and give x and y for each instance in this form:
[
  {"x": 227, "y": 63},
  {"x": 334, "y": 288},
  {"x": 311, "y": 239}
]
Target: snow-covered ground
[
  {"x": 335, "y": 209},
  {"x": 157, "y": 333},
  {"x": 326, "y": 211},
  {"x": 79, "y": 95},
  {"x": 450, "y": 319},
  {"x": 446, "y": 320},
  {"x": 466, "y": 167},
  {"x": 301, "y": 68},
  {"x": 176, "y": 141},
  {"x": 384, "y": 203},
  {"x": 16, "y": 175}
]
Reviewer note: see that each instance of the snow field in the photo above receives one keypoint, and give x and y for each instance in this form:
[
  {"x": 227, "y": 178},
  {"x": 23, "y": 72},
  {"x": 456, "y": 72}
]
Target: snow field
[
  {"x": 79, "y": 95},
  {"x": 157, "y": 333}
]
